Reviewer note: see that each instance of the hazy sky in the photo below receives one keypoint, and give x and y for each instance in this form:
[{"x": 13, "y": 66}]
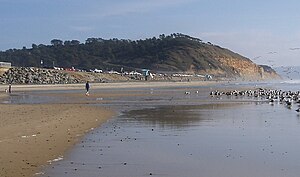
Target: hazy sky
[{"x": 266, "y": 31}]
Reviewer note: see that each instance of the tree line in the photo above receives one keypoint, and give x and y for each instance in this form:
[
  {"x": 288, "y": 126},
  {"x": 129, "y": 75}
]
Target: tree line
[{"x": 99, "y": 52}]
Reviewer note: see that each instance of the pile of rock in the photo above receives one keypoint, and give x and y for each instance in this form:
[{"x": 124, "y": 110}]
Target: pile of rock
[{"x": 36, "y": 76}]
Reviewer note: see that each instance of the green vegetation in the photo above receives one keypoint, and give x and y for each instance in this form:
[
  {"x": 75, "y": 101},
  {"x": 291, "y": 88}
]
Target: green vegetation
[{"x": 175, "y": 52}]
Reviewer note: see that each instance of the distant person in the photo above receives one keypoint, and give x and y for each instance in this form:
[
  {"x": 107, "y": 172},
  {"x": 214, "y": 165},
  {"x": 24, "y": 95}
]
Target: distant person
[
  {"x": 87, "y": 87},
  {"x": 9, "y": 88}
]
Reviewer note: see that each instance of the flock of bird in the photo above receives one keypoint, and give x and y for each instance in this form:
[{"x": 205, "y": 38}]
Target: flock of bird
[{"x": 284, "y": 97}]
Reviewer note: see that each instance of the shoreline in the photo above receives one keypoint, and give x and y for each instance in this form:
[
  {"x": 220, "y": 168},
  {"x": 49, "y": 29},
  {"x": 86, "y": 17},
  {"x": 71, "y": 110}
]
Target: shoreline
[
  {"x": 34, "y": 134},
  {"x": 108, "y": 85}
]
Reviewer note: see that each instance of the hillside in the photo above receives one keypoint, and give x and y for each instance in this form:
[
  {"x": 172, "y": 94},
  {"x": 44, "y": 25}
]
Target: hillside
[{"x": 173, "y": 53}]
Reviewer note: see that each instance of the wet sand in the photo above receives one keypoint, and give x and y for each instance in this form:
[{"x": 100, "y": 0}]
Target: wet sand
[
  {"x": 31, "y": 135},
  {"x": 107, "y": 85},
  {"x": 165, "y": 132},
  {"x": 3, "y": 95}
]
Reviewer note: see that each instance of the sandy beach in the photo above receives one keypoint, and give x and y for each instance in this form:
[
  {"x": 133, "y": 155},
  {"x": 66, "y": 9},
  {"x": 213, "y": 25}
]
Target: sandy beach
[
  {"x": 163, "y": 129},
  {"x": 31, "y": 135}
]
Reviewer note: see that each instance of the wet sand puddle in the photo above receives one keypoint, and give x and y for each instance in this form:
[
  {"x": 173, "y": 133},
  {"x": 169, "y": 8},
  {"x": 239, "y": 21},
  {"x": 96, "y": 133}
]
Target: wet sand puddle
[
  {"x": 35, "y": 97},
  {"x": 172, "y": 138}
]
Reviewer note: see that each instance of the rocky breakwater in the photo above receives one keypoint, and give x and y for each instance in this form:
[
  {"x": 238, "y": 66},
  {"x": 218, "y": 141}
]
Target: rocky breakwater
[{"x": 25, "y": 75}]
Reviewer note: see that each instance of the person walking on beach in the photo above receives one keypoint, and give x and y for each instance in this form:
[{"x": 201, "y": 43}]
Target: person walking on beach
[
  {"x": 9, "y": 88},
  {"x": 87, "y": 87}
]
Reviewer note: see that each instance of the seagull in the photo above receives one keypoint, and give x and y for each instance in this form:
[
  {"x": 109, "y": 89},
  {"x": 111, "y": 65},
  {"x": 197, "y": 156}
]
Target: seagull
[
  {"x": 256, "y": 57},
  {"x": 296, "y": 48},
  {"x": 288, "y": 102}
]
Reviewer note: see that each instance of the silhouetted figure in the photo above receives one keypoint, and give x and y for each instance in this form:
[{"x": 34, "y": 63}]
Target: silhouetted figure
[
  {"x": 87, "y": 87},
  {"x": 9, "y": 88}
]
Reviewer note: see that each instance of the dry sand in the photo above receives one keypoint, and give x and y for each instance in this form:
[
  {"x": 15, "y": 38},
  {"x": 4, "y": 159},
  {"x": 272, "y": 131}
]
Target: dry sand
[{"x": 33, "y": 135}]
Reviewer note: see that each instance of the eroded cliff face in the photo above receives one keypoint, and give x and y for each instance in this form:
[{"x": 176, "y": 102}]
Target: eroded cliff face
[
  {"x": 269, "y": 73},
  {"x": 217, "y": 61},
  {"x": 236, "y": 68},
  {"x": 244, "y": 69}
]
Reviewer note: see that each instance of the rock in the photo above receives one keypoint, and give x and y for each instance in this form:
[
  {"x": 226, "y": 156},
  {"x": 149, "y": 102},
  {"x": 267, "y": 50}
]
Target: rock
[{"x": 24, "y": 75}]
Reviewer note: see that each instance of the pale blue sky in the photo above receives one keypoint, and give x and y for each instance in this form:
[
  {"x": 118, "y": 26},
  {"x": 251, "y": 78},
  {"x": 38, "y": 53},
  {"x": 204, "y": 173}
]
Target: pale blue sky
[{"x": 262, "y": 30}]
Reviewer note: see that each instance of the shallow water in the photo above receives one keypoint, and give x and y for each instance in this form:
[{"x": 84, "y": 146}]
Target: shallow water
[
  {"x": 209, "y": 140},
  {"x": 172, "y": 134},
  {"x": 28, "y": 98}
]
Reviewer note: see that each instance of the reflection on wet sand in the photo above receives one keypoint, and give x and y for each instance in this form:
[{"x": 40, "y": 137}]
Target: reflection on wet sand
[
  {"x": 164, "y": 132},
  {"x": 226, "y": 140},
  {"x": 175, "y": 117}
]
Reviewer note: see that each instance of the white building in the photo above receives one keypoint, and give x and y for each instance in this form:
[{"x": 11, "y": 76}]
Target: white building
[{"x": 5, "y": 65}]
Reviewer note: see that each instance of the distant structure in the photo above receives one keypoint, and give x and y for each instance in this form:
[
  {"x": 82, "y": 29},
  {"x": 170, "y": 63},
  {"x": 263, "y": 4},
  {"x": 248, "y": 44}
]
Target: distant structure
[
  {"x": 146, "y": 73},
  {"x": 5, "y": 65},
  {"x": 208, "y": 77}
]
